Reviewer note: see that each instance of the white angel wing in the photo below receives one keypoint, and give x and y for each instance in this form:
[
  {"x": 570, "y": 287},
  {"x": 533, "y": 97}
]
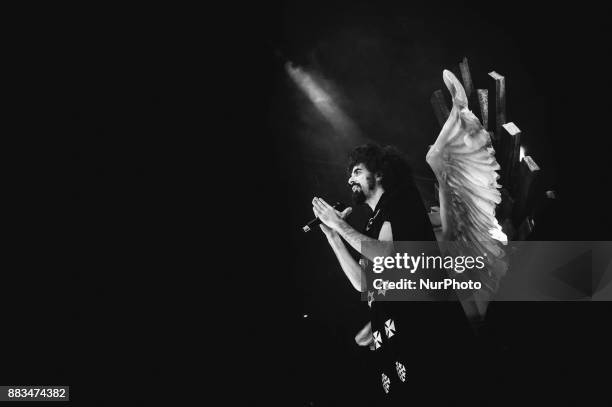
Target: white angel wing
[{"x": 463, "y": 161}]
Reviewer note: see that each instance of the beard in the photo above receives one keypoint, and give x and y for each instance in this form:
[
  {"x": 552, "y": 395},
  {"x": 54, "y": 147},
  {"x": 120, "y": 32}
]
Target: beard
[{"x": 359, "y": 197}]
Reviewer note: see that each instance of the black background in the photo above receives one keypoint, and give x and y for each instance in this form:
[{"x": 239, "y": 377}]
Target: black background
[{"x": 156, "y": 201}]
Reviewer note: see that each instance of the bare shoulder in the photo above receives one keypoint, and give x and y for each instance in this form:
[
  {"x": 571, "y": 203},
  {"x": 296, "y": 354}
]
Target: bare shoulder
[{"x": 386, "y": 232}]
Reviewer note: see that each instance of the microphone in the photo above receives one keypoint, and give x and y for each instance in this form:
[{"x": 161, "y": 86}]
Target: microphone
[{"x": 339, "y": 206}]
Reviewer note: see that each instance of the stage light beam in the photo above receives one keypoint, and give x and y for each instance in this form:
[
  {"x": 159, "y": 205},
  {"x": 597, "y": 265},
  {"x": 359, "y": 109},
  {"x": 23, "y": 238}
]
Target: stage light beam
[{"x": 314, "y": 89}]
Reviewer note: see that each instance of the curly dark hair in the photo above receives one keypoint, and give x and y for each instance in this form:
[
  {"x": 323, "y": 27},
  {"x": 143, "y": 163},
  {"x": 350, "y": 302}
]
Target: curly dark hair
[{"x": 386, "y": 161}]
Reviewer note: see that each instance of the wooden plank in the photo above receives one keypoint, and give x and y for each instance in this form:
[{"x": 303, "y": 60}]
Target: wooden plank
[
  {"x": 439, "y": 106},
  {"x": 527, "y": 189},
  {"x": 511, "y": 142},
  {"x": 467, "y": 77},
  {"x": 504, "y": 208},
  {"x": 483, "y": 101},
  {"x": 525, "y": 229},
  {"x": 500, "y": 103}
]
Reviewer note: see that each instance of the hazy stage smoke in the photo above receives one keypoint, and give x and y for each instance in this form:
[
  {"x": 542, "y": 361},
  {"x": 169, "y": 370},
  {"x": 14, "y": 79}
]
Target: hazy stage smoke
[{"x": 313, "y": 88}]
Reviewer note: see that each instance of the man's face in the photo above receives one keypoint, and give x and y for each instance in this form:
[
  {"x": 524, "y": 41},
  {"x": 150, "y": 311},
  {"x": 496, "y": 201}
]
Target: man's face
[{"x": 362, "y": 183}]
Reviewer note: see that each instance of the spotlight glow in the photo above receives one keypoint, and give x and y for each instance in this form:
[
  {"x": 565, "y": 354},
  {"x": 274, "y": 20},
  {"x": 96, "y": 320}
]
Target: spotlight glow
[{"x": 321, "y": 99}]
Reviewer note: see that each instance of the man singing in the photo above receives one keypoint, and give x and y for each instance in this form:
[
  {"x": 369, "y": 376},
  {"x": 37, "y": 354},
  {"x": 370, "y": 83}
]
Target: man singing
[{"x": 409, "y": 340}]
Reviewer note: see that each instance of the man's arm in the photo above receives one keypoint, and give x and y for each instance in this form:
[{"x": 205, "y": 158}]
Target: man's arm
[
  {"x": 351, "y": 268},
  {"x": 331, "y": 219},
  {"x": 354, "y": 238}
]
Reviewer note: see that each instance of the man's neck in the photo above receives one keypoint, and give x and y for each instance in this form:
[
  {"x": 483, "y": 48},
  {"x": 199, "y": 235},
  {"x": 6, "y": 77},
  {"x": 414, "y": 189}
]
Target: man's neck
[{"x": 373, "y": 200}]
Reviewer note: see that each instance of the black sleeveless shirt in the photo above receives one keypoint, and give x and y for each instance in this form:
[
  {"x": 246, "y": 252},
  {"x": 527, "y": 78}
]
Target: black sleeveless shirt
[{"x": 409, "y": 337}]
